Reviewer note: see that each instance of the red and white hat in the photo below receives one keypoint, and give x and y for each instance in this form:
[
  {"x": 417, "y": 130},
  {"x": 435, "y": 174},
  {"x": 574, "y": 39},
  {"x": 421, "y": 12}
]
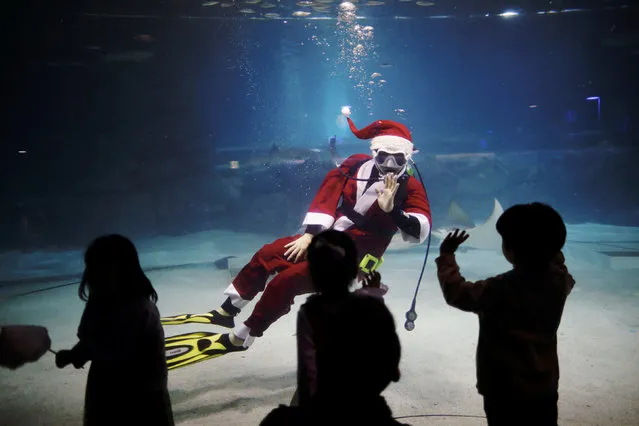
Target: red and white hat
[{"x": 385, "y": 135}]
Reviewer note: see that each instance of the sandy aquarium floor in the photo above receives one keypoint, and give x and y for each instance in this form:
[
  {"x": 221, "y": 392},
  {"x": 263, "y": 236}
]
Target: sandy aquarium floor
[{"x": 598, "y": 338}]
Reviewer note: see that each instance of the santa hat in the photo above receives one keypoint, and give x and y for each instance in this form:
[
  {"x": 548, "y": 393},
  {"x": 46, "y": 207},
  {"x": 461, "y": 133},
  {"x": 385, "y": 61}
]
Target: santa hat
[{"x": 385, "y": 135}]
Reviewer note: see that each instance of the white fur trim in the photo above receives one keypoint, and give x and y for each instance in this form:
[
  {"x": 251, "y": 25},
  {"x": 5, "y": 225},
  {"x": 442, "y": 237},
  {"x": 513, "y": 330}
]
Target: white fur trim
[
  {"x": 236, "y": 299},
  {"x": 364, "y": 172},
  {"x": 346, "y": 111},
  {"x": 243, "y": 332},
  {"x": 342, "y": 224},
  {"x": 392, "y": 144},
  {"x": 248, "y": 341},
  {"x": 424, "y": 229},
  {"x": 365, "y": 199},
  {"x": 322, "y": 219}
]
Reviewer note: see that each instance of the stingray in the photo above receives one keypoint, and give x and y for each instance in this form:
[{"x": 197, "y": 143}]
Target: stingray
[{"x": 481, "y": 237}]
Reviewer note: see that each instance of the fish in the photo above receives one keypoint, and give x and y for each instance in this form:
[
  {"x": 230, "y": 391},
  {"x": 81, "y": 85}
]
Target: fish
[
  {"x": 275, "y": 157},
  {"x": 481, "y": 237}
]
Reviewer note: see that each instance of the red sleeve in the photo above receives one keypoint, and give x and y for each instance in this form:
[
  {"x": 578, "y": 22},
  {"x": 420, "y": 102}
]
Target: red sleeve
[{"x": 323, "y": 207}]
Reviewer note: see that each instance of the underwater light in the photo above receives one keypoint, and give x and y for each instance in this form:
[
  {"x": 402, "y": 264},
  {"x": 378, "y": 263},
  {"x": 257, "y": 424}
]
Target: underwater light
[
  {"x": 598, "y": 99},
  {"x": 509, "y": 14},
  {"x": 575, "y": 10}
]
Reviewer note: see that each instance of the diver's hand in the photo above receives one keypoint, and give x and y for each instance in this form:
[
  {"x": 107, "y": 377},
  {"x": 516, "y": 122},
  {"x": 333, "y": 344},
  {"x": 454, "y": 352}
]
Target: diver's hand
[
  {"x": 386, "y": 197},
  {"x": 372, "y": 279},
  {"x": 372, "y": 285},
  {"x": 298, "y": 248},
  {"x": 20, "y": 344}
]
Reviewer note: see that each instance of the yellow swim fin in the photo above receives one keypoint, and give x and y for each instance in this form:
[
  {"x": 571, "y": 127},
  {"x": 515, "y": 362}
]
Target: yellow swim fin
[
  {"x": 190, "y": 348},
  {"x": 213, "y": 317}
]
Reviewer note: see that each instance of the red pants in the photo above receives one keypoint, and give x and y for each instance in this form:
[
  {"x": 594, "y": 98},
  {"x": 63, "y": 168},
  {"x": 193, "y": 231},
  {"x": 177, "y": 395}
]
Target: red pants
[{"x": 292, "y": 279}]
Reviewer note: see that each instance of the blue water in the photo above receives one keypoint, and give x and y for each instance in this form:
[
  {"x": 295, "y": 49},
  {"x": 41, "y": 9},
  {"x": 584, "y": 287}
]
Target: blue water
[
  {"x": 202, "y": 132},
  {"x": 130, "y": 120}
]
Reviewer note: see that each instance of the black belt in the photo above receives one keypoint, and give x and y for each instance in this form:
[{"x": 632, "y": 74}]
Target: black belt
[{"x": 363, "y": 223}]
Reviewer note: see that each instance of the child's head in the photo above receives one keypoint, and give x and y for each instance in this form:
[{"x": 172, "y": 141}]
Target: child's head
[
  {"x": 112, "y": 271},
  {"x": 332, "y": 262},
  {"x": 532, "y": 234}
]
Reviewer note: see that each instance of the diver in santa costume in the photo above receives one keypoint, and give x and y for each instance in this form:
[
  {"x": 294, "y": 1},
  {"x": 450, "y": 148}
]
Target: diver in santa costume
[{"x": 378, "y": 196}]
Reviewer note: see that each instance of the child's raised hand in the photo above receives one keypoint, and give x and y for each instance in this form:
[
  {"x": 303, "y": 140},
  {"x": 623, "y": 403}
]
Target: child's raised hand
[{"x": 452, "y": 242}]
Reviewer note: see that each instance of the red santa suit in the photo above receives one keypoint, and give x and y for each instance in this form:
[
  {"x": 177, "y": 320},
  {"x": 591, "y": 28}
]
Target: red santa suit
[{"x": 346, "y": 201}]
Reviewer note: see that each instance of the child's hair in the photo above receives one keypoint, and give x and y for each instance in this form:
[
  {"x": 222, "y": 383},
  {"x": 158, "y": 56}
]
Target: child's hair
[
  {"x": 332, "y": 262},
  {"x": 112, "y": 269},
  {"x": 533, "y": 232}
]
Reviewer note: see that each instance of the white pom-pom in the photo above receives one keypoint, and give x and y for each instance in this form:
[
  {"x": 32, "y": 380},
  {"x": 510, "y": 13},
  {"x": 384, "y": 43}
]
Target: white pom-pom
[{"x": 346, "y": 111}]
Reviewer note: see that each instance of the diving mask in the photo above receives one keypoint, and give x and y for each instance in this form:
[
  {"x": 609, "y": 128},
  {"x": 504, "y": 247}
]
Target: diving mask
[{"x": 390, "y": 162}]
